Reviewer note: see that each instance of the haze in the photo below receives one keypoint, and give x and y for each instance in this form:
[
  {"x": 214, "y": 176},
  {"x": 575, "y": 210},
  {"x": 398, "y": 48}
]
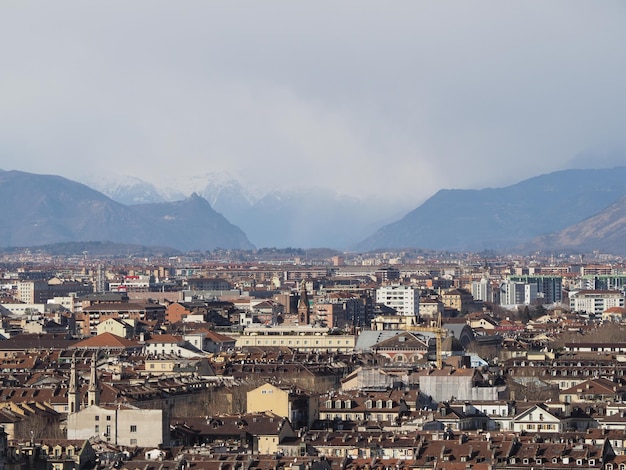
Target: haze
[{"x": 388, "y": 99}]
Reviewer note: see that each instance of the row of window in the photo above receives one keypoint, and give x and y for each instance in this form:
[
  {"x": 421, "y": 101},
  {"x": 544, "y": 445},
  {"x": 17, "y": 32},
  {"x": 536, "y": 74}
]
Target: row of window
[
  {"x": 368, "y": 404},
  {"x": 133, "y": 428}
]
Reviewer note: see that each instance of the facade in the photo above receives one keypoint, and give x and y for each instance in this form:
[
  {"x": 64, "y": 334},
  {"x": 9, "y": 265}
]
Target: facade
[
  {"x": 604, "y": 282},
  {"x": 403, "y": 299},
  {"x": 300, "y": 339},
  {"x": 300, "y": 408},
  {"x": 120, "y": 425},
  {"x": 39, "y": 292},
  {"x": 457, "y": 299},
  {"x": 207, "y": 284},
  {"x": 430, "y": 308},
  {"x": 537, "y": 419},
  {"x": 116, "y": 327},
  {"x": 517, "y": 293},
  {"x": 93, "y": 315},
  {"x": 482, "y": 290},
  {"x": 549, "y": 288},
  {"x": 595, "y": 301},
  {"x": 458, "y": 384}
]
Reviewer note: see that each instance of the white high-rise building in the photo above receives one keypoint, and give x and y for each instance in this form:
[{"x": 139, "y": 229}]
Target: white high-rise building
[
  {"x": 517, "y": 293},
  {"x": 481, "y": 290},
  {"x": 404, "y": 299}
]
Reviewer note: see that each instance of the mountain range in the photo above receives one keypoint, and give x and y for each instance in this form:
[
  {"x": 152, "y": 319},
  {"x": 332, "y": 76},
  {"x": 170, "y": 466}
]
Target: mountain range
[
  {"x": 44, "y": 209},
  {"x": 302, "y": 218},
  {"x": 573, "y": 210},
  {"x": 509, "y": 217}
]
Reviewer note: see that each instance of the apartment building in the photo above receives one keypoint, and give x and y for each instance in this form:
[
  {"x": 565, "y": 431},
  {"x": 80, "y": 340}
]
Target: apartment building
[
  {"x": 595, "y": 301},
  {"x": 403, "y": 299}
]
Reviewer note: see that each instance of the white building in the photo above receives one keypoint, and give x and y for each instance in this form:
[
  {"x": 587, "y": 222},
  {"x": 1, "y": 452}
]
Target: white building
[
  {"x": 517, "y": 293},
  {"x": 481, "y": 290},
  {"x": 403, "y": 299},
  {"x": 23, "y": 309},
  {"x": 595, "y": 301},
  {"x": 120, "y": 425}
]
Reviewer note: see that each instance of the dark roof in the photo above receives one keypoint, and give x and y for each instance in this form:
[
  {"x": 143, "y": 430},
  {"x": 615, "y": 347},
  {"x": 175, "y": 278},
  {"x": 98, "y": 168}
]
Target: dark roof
[{"x": 37, "y": 341}]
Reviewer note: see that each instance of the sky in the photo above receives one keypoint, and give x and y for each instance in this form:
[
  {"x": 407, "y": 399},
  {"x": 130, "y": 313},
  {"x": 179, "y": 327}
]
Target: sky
[{"x": 391, "y": 100}]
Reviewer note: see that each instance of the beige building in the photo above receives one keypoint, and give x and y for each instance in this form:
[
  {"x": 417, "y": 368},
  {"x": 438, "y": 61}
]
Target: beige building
[
  {"x": 115, "y": 326},
  {"x": 457, "y": 299},
  {"x": 120, "y": 425},
  {"x": 300, "y": 408},
  {"x": 301, "y": 339}
]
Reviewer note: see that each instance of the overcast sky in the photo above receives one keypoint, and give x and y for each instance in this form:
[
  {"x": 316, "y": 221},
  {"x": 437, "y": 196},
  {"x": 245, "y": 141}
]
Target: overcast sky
[{"x": 397, "y": 98}]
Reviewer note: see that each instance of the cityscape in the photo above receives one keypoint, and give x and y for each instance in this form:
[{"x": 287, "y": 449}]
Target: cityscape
[
  {"x": 291, "y": 358},
  {"x": 279, "y": 235}
]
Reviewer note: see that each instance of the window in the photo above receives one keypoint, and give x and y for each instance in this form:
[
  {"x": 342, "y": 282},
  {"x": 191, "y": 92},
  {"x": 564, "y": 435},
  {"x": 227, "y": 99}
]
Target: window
[
  {"x": 133, "y": 442},
  {"x": 97, "y": 428},
  {"x": 133, "y": 428},
  {"x": 108, "y": 417},
  {"x": 97, "y": 418}
]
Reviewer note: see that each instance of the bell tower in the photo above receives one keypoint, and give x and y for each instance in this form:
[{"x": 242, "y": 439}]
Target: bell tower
[
  {"x": 93, "y": 392},
  {"x": 304, "y": 309},
  {"x": 73, "y": 392}
]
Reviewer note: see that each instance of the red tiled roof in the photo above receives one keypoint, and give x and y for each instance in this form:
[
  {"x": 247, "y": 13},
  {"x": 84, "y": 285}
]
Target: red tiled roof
[{"x": 106, "y": 340}]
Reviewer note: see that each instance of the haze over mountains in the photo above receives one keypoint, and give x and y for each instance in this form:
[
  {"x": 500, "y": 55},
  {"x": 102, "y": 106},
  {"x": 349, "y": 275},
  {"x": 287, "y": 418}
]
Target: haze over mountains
[
  {"x": 503, "y": 218},
  {"x": 567, "y": 210},
  {"x": 302, "y": 218},
  {"x": 43, "y": 209}
]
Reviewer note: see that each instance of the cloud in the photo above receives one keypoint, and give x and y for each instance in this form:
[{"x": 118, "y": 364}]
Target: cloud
[{"x": 387, "y": 100}]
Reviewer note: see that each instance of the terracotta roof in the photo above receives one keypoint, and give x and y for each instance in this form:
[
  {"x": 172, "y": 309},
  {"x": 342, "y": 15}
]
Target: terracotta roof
[
  {"x": 106, "y": 340},
  {"x": 158, "y": 339}
]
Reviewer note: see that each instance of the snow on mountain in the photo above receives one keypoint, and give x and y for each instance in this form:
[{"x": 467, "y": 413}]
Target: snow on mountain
[{"x": 128, "y": 190}]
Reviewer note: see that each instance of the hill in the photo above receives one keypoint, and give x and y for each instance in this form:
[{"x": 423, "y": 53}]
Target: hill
[
  {"x": 502, "y": 218},
  {"x": 604, "y": 232}
]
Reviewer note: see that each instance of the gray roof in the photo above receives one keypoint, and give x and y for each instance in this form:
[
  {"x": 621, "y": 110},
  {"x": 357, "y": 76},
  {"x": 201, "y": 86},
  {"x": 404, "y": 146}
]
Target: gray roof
[{"x": 369, "y": 338}]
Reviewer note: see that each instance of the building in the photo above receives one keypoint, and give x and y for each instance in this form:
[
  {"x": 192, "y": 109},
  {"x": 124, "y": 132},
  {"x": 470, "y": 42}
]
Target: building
[
  {"x": 299, "y": 407},
  {"x": 117, "y": 327},
  {"x": 482, "y": 290},
  {"x": 460, "y": 300},
  {"x": 403, "y": 299},
  {"x": 595, "y": 301},
  {"x": 120, "y": 424},
  {"x": 430, "y": 308},
  {"x": 549, "y": 288},
  {"x": 297, "y": 338},
  {"x": 39, "y": 292},
  {"x": 517, "y": 293}
]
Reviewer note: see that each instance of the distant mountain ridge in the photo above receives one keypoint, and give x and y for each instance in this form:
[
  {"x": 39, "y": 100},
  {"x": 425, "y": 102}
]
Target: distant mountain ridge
[
  {"x": 503, "y": 218},
  {"x": 572, "y": 210},
  {"x": 46, "y": 209},
  {"x": 604, "y": 232},
  {"x": 303, "y": 218}
]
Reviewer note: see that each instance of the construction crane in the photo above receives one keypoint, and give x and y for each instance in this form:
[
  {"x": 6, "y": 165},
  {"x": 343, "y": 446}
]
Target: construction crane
[{"x": 439, "y": 334}]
